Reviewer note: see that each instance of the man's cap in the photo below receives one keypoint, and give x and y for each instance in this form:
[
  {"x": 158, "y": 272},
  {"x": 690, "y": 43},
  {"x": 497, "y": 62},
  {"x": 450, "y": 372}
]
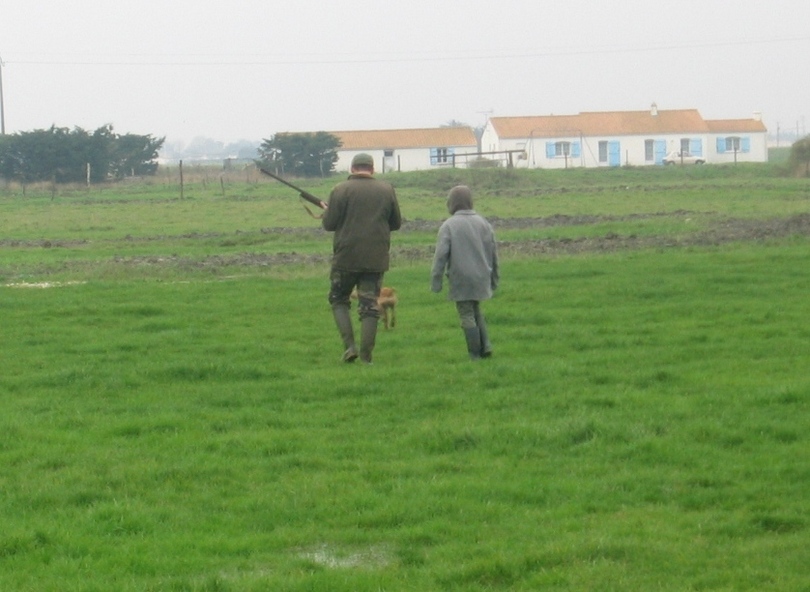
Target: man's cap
[{"x": 363, "y": 159}]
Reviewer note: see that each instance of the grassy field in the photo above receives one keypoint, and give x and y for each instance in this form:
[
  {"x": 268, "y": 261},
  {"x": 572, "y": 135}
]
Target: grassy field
[{"x": 175, "y": 415}]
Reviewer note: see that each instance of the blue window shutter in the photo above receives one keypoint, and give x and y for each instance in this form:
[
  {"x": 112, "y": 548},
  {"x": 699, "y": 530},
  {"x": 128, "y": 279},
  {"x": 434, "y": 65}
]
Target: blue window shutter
[
  {"x": 721, "y": 145},
  {"x": 551, "y": 150},
  {"x": 745, "y": 144},
  {"x": 696, "y": 147},
  {"x": 575, "y": 150},
  {"x": 434, "y": 155}
]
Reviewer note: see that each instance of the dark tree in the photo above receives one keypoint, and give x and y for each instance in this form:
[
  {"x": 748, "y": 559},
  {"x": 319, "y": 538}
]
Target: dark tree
[
  {"x": 800, "y": 155},
  {"x": 303, "y": 154},
  {"x": 133, "y": 155}
]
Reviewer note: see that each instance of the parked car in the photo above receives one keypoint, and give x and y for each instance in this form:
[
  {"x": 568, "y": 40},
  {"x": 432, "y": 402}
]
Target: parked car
[{"x": 683, "y": 158}]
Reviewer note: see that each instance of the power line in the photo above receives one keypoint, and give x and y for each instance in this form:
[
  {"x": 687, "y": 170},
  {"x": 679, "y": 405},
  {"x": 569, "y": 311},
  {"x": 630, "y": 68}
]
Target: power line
[{"x": 301, "y": 60}]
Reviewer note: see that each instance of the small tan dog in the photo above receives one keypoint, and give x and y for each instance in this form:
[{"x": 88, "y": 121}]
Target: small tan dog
[{"x": 387, "y": 305}]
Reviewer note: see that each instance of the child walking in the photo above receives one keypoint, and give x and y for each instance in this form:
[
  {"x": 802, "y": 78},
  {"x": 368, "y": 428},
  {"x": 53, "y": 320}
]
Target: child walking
[{"x": 466, "y": 252}]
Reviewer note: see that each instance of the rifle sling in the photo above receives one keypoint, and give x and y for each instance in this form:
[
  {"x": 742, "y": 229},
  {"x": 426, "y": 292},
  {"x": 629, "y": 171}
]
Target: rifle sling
[{"x": 310, "y": 212}]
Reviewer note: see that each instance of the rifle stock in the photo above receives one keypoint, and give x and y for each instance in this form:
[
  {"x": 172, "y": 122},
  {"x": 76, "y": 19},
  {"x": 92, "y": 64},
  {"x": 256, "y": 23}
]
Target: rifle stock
[{"x": 304, "y": 194}]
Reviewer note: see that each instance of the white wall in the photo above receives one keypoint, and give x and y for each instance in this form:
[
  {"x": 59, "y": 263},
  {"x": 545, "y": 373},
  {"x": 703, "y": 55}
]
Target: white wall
[
  {"x": 490, "y": 142},
  {"x": 632, "y": 150},
  {"x": 403, "y": 159},
  {"x": 758, "y": 148}
]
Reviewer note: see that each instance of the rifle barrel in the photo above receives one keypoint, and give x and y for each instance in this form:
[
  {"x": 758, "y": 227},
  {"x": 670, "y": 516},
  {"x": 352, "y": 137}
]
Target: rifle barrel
[{"x": 304, "y": 194}]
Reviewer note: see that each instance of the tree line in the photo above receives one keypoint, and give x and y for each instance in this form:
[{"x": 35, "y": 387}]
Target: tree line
[{"x": 62, "y": 155}]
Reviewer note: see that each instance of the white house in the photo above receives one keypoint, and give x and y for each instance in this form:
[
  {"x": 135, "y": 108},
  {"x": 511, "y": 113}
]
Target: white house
[
  {"x": 738, "y": 140},
  {"x": 614, "y": 138},
  {"x": 404, "y": 150}
]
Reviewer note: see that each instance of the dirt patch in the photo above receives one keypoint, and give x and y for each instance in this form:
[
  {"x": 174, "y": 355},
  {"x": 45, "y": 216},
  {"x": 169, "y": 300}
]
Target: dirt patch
[
  {"x": 553, "y": 221},
  {"x": 44, "y": 243},
  {"x": 721, "y": 232},
  {"x": 222, "y": 261}
]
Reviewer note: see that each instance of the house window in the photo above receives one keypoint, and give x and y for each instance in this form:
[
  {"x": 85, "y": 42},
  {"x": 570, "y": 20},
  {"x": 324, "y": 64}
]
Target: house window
[
  {"x": 388, "y": 153},
  {"x": 649, "y": 150},
  {"x": 562, "y": 149},
  {"x": 733, "y": 144},
  {"x": 603, "y": 151},
  {"x": 685, "y": 145},
  {"x": 441, "y": 155}
]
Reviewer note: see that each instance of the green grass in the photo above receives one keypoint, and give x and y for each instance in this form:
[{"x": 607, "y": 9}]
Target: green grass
[{"x": 642, "y": 425}]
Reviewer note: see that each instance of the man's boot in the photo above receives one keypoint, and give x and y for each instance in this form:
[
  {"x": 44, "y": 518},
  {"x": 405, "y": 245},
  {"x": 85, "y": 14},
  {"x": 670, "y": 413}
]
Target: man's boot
[
  {"x": 473, "y": 336},
  {"x": 486, "y": 346},
  {"x": 343, "y": 320},
  {"x": 368, "y": 336}
]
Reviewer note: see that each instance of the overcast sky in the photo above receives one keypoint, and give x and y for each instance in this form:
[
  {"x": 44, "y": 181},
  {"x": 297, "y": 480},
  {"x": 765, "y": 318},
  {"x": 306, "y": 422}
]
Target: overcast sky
[{"x": 246, "y": 69}]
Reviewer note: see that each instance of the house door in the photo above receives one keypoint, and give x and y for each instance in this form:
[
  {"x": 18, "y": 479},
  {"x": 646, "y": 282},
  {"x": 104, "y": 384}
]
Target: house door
[
  {"x": 660, "y": 151},
  {"x": 614, "y": 153},
  {"x": 389, "y": 163}
]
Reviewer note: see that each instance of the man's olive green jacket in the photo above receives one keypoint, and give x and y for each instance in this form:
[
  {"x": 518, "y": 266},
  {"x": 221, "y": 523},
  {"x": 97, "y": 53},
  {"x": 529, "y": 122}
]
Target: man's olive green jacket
[{"x": 362, "y": 213}]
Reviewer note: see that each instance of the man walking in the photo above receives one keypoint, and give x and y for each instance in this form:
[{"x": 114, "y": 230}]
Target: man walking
[{"x": 362, "y": 212}]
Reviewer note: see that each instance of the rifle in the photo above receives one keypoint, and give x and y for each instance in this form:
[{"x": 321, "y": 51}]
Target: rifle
[{"x": 304, "y": 194}]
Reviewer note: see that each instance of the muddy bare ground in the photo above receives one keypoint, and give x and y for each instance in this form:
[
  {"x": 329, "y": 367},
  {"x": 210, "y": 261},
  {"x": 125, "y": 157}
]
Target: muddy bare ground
[
  {"x": 725, "y": 231},
  {"x": 720, "y": 232}
]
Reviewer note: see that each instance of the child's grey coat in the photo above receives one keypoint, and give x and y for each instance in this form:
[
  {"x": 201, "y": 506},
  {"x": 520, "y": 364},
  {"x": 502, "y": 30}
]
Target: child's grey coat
[{"x": 466, "y": 252}]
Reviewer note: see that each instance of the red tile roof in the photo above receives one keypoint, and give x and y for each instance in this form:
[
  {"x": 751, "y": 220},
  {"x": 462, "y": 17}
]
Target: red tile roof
[
  {"x": 736, "y": 125},
  {"x": 407, "y": 138},
  {"x": 606, "y": 123}
]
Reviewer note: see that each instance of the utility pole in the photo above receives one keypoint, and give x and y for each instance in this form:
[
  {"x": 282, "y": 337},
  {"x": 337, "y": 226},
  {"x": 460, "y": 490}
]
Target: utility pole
[{"x": 2, "y": 108}]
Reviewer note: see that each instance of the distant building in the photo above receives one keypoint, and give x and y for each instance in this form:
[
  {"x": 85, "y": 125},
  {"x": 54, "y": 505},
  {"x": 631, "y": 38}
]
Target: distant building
[
  {"x": 615, "y": 138},
  {"x": 739, "y": 140},
  {"x": 401, "y": 150}
]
